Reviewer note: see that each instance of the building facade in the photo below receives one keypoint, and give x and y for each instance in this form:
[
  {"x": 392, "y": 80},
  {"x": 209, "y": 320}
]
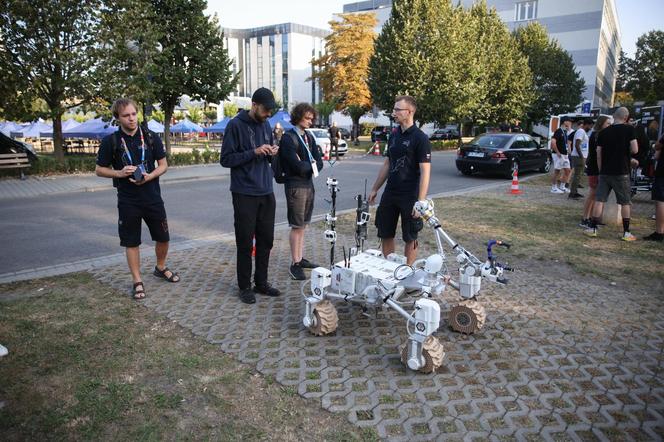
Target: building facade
[
  {"x": 277, "y": 57},
  {"x": 588, "y": 30}
]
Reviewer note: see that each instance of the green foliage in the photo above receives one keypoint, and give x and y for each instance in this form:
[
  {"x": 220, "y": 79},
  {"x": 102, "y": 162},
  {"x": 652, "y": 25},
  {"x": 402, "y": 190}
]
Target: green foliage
[
  {"x": 558, "y": 85},
  {"x": 158, "y": 115},
  {"x": 48, "y": 51},
  {"x": 459, "y": 64},
  {"x": 645, "y": 78},
  {"x": 366, "y": 128},
  {"x": 210, "y": 115},
  {"x": 195, "y": 114},
  {"x": 230, "y": 109},
  {"x": 179, "y": 116},
  {"x": 324, "y": 109}
]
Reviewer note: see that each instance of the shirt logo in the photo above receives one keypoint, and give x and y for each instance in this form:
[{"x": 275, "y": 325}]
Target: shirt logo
[{"x": 406, "y": 143}]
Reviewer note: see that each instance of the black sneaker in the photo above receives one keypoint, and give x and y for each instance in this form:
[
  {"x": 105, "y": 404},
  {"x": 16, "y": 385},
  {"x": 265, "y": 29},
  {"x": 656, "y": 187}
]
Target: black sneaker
[
  {"x": 297, "y": 272},
  {"x": 247, "y": 296},
  {"x": 306, "y": 264},
  {"x": 575, "y": 196},
  {"x": 654, "y": 236},
  {"x": 267, "y": 289}
]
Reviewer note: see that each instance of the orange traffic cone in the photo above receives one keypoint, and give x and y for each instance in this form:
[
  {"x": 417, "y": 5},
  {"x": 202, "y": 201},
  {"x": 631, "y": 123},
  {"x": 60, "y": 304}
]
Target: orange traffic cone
[
  {"x": 253, "y": 247},
  {"x": 515, "y": 183},
  {"x": 326, "y": 152},
  {"x": 376, "y": 148}
]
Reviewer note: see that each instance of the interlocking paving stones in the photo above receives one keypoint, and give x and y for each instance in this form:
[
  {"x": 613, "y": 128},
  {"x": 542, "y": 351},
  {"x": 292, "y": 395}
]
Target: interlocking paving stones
[{"x": 558, "y": 359}]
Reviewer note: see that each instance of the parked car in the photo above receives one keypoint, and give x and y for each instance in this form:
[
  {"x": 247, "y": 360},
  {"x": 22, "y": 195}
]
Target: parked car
[
  {"x": 444, "y": 134},
  {"x": 380, "y": 133},
  {"x": 345, "y": 133},
  {"x": 502, "y": 153},
  {"x": 323, "y": 140}
]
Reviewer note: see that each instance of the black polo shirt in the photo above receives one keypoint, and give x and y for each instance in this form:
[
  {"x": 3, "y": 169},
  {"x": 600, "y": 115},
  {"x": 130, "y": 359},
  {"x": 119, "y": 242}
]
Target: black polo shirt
[
  {"x": 128, "y": 192},
  {"x": 407, "y": 149},
  {"x": 561, "y": 140}
]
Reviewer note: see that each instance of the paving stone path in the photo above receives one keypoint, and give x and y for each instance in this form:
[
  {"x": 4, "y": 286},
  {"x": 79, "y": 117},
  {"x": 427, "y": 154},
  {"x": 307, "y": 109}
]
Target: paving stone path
[{"x": 558, "y": 359}]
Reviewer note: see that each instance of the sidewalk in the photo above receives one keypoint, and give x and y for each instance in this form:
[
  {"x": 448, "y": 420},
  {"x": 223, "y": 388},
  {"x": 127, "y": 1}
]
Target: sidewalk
[
  {"x": 12, "y": 188},
  {"x": 559, "y": 358}
]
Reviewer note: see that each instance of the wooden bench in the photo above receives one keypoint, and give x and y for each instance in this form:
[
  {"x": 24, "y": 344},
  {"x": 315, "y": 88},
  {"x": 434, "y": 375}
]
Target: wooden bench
[{"x": 14, "y": 161}]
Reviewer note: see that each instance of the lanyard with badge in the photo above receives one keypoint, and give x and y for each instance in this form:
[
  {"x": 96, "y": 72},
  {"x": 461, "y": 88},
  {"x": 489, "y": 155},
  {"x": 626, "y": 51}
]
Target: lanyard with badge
[
  {"x": 314, "y": 166},
  {"x": 140, "y": 168}
]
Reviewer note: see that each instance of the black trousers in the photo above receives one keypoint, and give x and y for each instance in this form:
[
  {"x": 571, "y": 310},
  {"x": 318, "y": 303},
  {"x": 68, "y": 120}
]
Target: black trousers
[{"x": 254, "y": 215}]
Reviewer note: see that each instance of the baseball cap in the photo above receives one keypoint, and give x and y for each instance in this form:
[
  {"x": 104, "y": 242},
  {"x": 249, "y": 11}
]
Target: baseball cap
[{"x": 265, "y": 97}]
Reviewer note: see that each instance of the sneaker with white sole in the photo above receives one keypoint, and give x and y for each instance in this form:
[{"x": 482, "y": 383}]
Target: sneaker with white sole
[
  {"x": 590, "y": 231},
  {"x": 555, "y": 189},
  {"x": 627, "y": 236}
]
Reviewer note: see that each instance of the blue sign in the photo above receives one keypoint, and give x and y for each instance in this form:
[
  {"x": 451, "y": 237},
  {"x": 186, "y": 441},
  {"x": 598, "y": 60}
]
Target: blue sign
[{"x": 585, "y": 108}]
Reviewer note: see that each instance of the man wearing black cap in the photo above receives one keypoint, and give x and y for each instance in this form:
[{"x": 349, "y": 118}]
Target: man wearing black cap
[{"x": 247, "y": 150}]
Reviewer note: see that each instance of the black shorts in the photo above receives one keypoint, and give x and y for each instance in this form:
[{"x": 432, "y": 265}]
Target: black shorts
[
  {"x": 658, "y": 189},
  {"x": 129, "y": 223},
  {"x": 300, "y": 204},
  {"x": 388, "y": 213}
]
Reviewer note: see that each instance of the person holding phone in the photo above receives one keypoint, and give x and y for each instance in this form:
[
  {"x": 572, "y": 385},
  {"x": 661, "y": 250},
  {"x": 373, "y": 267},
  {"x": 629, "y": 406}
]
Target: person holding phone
[
  {"x": 247, "y": 150},
  {"x": 128, "y": 156}
]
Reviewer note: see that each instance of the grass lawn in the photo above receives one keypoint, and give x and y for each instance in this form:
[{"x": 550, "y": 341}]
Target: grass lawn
[{"x": 86, "y": 363}]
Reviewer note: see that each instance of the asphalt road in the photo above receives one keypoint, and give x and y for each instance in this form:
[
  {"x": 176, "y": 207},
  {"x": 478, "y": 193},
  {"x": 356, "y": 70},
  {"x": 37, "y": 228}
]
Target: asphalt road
[{"x": 56, "y": 229}]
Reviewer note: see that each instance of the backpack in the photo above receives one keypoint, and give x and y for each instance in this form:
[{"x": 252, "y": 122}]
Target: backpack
[{"x": 278, "y": 170}]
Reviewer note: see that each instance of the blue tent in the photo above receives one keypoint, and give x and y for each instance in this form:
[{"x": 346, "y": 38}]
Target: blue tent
[
  {"x": 218, "y": 127},
  {"x": 66, "y": 125},
  {"x": 32, "y": 130},
  {"x": 96, "y": 129},
  {"x": 8, "y": 127},
  {"x": 185, "y": 126},
  {"x": 156, "y": 127},
  {"x": 282, "y": 117}
]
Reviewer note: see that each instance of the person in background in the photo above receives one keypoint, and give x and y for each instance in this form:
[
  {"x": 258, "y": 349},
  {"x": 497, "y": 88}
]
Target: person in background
[
  {"x": 578, "y": 156},
  {"x": 592, "y": 170},
  {"x": 658, "y": 194},
  {"x": 334, "y": 139},
  {"x": 277, "y": 132},
  {"x": 561, "y": 165},
  {"x": 615, "y": 146}
]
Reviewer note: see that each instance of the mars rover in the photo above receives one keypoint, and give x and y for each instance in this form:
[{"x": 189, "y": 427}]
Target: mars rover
[{"x": 371, "y": 280}]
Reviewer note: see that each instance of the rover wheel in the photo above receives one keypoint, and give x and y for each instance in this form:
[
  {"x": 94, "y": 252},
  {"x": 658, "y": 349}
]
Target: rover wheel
[
  {"x": 327, "y": 319},
  {"x": 432, "y": 351},
  {"x": 467, "y": 317}
]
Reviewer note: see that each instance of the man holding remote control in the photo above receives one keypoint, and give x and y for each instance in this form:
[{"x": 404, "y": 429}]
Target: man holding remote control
[{"x": 128, "y": 156}]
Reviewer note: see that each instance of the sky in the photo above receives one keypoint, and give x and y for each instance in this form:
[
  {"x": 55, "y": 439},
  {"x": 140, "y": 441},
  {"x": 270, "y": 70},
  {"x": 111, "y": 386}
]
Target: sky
[{"x": 636, "y": 16}]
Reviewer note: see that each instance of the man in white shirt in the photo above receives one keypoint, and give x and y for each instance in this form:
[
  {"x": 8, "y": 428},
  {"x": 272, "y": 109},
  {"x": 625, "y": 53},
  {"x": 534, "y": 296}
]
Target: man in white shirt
[{"x": 578, "y": 156}]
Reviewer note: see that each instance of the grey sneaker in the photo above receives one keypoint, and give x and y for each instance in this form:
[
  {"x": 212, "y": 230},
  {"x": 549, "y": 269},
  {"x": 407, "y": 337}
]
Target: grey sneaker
[
  {"x": 306, "y": 264},
  {"x": 297, "y": 272}
]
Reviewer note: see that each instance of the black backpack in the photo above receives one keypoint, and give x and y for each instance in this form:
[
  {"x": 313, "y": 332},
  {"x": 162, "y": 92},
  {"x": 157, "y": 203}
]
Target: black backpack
[{"x": 280, "y": 174}]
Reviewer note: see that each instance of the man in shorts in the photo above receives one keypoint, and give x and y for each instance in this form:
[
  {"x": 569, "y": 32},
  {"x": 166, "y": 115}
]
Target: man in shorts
[
  {"x": 407, "y": 170},
  {"x": 128, "y": 156},
  {"x": 658, "y": 194},
  {"x": 302, "y": 161},
  {"x": 615, "y": 146},
  {"x": 559, "y": 148}
]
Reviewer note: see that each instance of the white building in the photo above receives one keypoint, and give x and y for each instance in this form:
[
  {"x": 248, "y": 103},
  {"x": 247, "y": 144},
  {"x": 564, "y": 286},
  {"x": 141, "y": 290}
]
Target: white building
[
  {"x": 277, "y": 57},
  {"x": 588, "y": 30}
]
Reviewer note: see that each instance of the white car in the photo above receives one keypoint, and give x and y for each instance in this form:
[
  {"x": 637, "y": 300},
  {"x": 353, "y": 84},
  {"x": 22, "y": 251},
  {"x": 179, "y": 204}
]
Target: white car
[{"x": 323, "y": 141}]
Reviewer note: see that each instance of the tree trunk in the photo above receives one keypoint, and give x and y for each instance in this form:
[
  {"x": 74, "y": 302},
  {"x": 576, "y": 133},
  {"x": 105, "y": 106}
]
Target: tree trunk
[
  {"x": 168, "y": 114},
  {"x": 356, "y": 124},
  {"x": 58, "y": 141}
]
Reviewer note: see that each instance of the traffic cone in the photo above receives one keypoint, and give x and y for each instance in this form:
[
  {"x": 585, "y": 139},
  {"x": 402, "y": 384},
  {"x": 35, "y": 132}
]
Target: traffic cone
[
  {"x": 326, "y": 152},
  {"x": 515, "y": 183},
  {"x": 376, "y": 148},
  {"x": 253, "y": 247}
]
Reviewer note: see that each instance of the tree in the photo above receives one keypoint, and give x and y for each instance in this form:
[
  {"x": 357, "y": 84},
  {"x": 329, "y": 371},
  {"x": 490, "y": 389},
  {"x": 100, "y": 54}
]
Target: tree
[
  {"x": 647, "y": 69},
  {"x": 558, "y": 85},
  {"x": 210, "y": 115},
  {"x": 230, "y": 110},
  {"x": 324, "y": 109},
  {"x": 625, "y": 69},
  {"x": 158, "y": 115},
  {"x": 193, "y": 60},
  {"x": 343, "y": 69},
  {"x": 195, "y": 114},
  {"x": 48, "y": 51}
]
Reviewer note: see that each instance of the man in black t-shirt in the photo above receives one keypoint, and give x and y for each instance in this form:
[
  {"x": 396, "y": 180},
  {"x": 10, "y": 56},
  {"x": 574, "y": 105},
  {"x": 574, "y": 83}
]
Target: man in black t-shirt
[
  {"x": 334, "y": 139},
  {"x": 615, "y": 146},
  {"x": 128, "y": 156},
  {"x": 658, "y": 194},
  {"x": 560, "y": 143},
  {"x": 407, "y": 169}
]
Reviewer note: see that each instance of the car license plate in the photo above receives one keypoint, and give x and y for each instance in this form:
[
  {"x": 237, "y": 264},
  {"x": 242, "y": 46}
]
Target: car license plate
[{"x": 476, "y": 154}]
